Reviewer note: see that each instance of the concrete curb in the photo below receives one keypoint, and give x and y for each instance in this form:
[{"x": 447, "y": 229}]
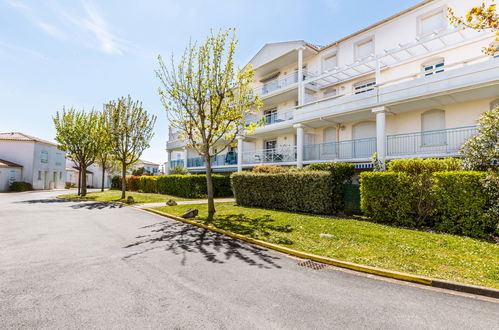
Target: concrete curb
[{"x": 455, "y": 286}]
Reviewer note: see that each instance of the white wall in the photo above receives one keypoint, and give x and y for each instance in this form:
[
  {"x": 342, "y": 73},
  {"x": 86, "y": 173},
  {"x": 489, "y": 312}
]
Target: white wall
[{"x": 9, "y": 175}]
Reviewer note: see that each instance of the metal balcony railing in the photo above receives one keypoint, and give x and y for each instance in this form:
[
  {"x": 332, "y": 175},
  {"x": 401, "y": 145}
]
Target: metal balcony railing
[
  {"x": 438, "y": 142},
  {"x": 341, "y": 150},
  {"x": 284, "y": 154},
  {"x": 229, "y": 158},
  {"x": 277, "y": 84}
]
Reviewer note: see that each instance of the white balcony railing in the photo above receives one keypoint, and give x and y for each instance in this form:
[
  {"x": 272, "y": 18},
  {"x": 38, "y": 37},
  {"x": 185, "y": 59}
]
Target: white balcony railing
[
  {"x": 438, "y": 142},
  {"x": 282, "y": 83},
  {"x": 283, "y": 154},
  {"x": 341, "y": 150}
]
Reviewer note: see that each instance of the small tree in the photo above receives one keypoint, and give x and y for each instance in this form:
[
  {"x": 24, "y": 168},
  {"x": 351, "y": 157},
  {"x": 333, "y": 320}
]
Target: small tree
[
  {"x": 480, "y": 151},
  {"x": 105, "y": 144},
  {"x": 78, "y": 135},
  {"x": 207, "y": 98},
  {"x": 483, "y": 17},
  {"x": 179, "y": 169},
  {"x": 131, "y": 130}
]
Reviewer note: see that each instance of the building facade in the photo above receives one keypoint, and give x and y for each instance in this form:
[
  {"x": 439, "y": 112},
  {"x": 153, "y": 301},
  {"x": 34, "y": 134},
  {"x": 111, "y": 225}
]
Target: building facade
[
  {"x": 43, "y": 164},
  {"x": 94, "y": 175},
  {"x": 411, "y": 85}
]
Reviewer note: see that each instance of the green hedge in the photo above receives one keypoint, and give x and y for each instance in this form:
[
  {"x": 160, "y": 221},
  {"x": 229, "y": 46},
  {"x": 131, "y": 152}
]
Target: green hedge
[
  {"x": 303, "y": 191},
  {"x": 188, "y": 186},
  {"x": 461, "y": 204},
  {"x": 456, "y": 202},
  {"x": 20, "y": 186},
  {"x": 341, "y": 174}
]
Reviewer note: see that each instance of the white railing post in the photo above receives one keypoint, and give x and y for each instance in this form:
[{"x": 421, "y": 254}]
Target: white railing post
[
  {"x": 240, "y": 141},
  {"x": 380, "y": 132},
  {"x": 186, "y": 154},
  {"x": 300, "y": 141},
  {"x": 168, "y": 162}
]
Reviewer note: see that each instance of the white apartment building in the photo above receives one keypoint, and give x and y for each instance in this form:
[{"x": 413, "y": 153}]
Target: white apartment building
[
  {"x": 42, "y": 163},
  {"x": 411, "y": 85},
  {"x": 94, "y": 175}
]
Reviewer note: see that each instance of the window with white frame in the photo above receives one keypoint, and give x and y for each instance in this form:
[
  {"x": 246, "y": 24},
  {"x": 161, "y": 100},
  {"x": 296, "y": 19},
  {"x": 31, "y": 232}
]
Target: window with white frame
[
  {"x": 329, "y": 63},
  {"x": 432, "y": 22},
  {"x": 433, "y": 127},
  {"x": 364, "y": 48},
  {"x": 58, "y": 159},
  {"x": 270, "y": 115},
  {"x": 39, "y": 175},
  {"x": 364, "y": 86},
  {"x": 434, "y": 66},
  {"x": 44, "y": 157}
]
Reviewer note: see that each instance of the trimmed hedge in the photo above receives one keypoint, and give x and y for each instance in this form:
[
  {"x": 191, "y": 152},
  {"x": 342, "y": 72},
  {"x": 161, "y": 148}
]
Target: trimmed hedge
[
  {"x": 456, "y": 201},
  {"x": 341, "y": 174},
  {"x": 188, "y": 186},
  {"x": 303, "y": 191},
  {"x": 416, "y": 166},
  {"x": 461, "y": 204},
  {"x": 20, "y": 186}
]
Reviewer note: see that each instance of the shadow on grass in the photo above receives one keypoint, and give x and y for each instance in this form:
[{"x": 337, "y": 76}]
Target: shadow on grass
[
  {"x": 183, "y": 239},
  {"x": 79, "y": 204}
]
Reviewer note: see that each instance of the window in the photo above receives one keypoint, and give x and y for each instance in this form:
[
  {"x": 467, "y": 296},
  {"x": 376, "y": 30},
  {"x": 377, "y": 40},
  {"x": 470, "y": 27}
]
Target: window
[
  {"x": 58, "y": 159},
  {"x": 44, "y": 157},
  {"x": 364, "y": 86},
  {"x": 60, "y": 175},
  {"x": 270, "y": 116},
  {"x": 364, "y": 48},
  {"x": 432, "y": 22},
  {"x": 39, "y": 175},
  {"x": 433, "y": 125},
  {"x": 434, "y": 66},
  {"x": 330, "y": 62}
]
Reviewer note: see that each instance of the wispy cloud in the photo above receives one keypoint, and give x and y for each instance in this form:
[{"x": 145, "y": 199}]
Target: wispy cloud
[{"x": 88, "y": 29}]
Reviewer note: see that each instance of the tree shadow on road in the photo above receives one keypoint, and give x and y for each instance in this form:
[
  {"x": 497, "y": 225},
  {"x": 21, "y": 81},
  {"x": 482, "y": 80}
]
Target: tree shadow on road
[
  {"x": 76, "y": 204},
  {"x": 182, "y": 239}
]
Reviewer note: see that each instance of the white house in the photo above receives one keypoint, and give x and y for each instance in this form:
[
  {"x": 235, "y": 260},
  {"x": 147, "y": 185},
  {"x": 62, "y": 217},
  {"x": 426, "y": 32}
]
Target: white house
[
  {"x": 42, "y": 162},
  {"x": 410, "y": 85},
  {"x": 9, "y": 172},
  {"x": 150, "y": 167},
  {"x": 94, "y": 175}
]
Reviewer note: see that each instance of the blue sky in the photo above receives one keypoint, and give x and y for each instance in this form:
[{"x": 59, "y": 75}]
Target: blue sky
[{"x": 83, "y": 53}]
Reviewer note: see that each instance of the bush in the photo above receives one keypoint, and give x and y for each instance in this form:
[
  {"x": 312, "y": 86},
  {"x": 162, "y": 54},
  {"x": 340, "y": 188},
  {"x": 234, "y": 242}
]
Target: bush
[
  {"x": 417, "y": 166},
  {"x": 461, "y": 204},
  {"x": 179, "y": 169},
  {"x": 304, "y": 191},
  {"x": 20, "y": 186},
  {"x": 388, "y": 197},
  {"x": 341, "y": 173},
  {"x": 188, "y": 186},
  {"x": 116, "y": 182},
  {"x": 274, "y": 169},
  {"x": 491, "y": 186}
]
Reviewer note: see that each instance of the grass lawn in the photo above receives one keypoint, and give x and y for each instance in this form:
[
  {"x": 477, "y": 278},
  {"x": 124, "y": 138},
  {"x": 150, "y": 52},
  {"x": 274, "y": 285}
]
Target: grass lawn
[
  {"x": 114, "y": 195},
  {"x": 436, "y": 255}
]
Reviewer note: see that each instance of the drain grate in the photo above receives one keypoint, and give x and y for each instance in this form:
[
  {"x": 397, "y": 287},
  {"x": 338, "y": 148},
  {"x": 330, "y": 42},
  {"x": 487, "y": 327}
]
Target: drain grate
[{"x": 312, "y": 264}]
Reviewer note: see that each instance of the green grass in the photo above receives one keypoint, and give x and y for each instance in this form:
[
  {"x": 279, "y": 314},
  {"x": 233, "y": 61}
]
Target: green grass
[
  {"x": 114, "y": 195},
  {"x": 443, "y": 256}
]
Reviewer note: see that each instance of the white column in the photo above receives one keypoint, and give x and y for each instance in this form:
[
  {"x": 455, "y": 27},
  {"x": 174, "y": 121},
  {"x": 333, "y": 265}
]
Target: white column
[
  {"x": 185, "y": 157},
  {"x": 240, "y": 141},
  {"x": 380, "y": 132},
  {"x": 300, "y": 140},
  {"x": 169, "y": 159},
  {"x": 301, "y": 91}
]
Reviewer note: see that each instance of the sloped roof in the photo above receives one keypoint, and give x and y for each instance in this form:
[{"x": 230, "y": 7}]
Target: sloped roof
[
  {"x": 278, "y": 49},
  {"x": 6, "y": 163},
  {"x": 18, "y": 136},
  {"x": 146, "y": 162}
]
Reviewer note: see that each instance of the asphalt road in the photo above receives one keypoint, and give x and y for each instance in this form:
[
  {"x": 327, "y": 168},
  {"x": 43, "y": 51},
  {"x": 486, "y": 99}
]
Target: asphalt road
[{"x": 86, "y": 265}]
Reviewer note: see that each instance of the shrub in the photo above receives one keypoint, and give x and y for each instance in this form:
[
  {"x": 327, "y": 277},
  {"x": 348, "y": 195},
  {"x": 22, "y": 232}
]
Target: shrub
[
  {"x": 461, "y": 204},
  {"x": 491, "y": 187},
  {"x": 417, "y": 166},
  {"x": 388, "y": 197},
  {"x": 304, "y": 191},
  {"x": 179, "y": 169},
  {"x": 116, "y": 182},
  {"x": 189, "y": 186},
  {"x": 20, "y": 186},
  {"x": 274, "y": 169},
  {"x": 341, "y": 173}
]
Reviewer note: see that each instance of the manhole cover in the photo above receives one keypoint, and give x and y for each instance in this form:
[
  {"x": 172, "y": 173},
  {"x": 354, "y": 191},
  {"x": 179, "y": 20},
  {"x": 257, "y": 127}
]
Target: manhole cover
[{"x": 312, "y": 264}]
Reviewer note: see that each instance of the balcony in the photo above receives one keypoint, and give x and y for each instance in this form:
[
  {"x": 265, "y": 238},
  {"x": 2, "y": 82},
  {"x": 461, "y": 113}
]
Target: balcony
[
  {"x": 178, "y": 162},
  {"x": 285, "y": 154},
  {"x": 227, "y": 159},
  {"x": 350, "y": 150},
  {"x": 445, "y": 142},
  {"x": 280, "y": 84}
]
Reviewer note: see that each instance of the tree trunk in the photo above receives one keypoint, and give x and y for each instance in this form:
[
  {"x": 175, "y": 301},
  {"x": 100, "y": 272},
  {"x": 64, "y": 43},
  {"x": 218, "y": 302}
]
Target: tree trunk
[
  {"x": 83, "y": 181},
  {"x": 103, "y": 175},
  {"x": 79, "y": 180},
  {"x": 209, "y": 189},
  {"x": 123, "y": 180}
]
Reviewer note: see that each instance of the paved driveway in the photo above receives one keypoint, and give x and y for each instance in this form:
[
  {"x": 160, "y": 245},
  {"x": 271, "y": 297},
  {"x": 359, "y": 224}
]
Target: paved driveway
[{"x": 86, "y": 265}]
